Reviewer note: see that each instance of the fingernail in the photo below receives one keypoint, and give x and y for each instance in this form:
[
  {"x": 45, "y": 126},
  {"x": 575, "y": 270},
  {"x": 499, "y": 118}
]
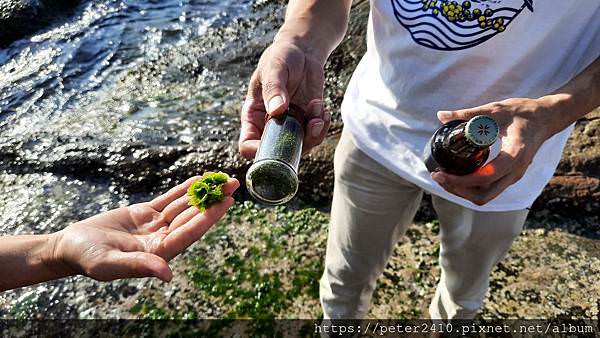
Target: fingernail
[
  {"x": 274, "y": 103},
  {"x": 317, "y": 129},
  {"x": 316, "y": 109},
  {"x": 438, "y": 178},
  {"x": 444, "y": 114}
]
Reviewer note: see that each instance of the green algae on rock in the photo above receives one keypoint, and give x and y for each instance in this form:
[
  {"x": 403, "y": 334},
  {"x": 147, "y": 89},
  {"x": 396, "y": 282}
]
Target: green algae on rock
[{"x": 207, "y": 191}]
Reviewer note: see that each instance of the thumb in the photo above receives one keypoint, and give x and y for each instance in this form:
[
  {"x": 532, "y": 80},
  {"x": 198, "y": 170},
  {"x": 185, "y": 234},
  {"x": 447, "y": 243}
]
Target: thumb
[
  {"x": 274, "y": 92},
  {"x": 446, "y": 116},
  {"x": 136, "y": 265}
]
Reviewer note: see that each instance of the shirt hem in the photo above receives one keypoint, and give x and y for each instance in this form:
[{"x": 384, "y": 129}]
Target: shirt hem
[{"x": 428, "y": 188}]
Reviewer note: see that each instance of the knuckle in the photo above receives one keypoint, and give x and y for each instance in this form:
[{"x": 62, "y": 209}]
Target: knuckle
[
  {"x": 507, "y": 102},
  {"x": 270, "y": 62},
  {"x": 277, "y": 62},
  {"x": 271, "y": 86},
  {"x": 498, "y": 107}
]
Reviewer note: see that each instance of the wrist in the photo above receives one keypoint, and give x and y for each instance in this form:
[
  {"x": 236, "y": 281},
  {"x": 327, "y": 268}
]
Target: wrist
[
  {"x": 556, "y": 108},
  {"x": 52, "y": 257},
  {"x": 313, "y": 47}
]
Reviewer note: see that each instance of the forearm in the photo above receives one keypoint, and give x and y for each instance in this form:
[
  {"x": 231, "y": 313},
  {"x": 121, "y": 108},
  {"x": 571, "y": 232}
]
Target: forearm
[
  {"x": 27, "y": 260},
  {"x": 574, "y": 100},
  {"x": 316, "y": 26}
]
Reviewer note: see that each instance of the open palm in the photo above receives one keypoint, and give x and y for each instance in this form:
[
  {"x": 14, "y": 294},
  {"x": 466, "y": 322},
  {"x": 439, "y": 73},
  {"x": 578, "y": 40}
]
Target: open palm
[{"x": 138, "y": 240}]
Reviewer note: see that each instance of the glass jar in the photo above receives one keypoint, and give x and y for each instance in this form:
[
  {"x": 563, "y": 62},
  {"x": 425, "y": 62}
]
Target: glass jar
[{"x": 273, "y": 177}]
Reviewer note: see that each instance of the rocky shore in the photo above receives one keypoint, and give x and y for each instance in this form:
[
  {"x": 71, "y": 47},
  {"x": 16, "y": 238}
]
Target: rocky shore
[
  {"x": 176, "y": 115},
  {"x": 211, "y": 74},
  {"x": 19, "y": 18}
]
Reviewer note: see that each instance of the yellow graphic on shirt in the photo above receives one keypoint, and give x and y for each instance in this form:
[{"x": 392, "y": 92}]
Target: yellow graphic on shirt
[{"x": 454, "y": 25}]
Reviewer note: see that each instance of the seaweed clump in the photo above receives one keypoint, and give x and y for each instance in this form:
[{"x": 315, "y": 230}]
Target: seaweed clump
[
  {"x": 273, "y": 177},
  {"x": 272, "y": 181},
  {"x": 207, "y": 191}
]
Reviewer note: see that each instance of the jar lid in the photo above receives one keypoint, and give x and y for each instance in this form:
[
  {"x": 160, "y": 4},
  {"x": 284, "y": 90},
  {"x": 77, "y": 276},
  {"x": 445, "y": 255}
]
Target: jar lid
[{"x": 482, "y": 131}]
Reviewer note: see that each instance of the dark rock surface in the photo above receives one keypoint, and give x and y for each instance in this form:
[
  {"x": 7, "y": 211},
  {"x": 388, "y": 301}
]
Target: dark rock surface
[
  {"x": 575, "y": 187},
  {"x": 194, "y": 94},
  {"x": 19, "y": 18}
]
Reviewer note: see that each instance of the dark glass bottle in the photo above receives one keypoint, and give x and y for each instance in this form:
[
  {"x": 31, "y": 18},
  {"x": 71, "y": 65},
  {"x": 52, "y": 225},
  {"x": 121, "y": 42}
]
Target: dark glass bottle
[{"x": 460, "y": 147}]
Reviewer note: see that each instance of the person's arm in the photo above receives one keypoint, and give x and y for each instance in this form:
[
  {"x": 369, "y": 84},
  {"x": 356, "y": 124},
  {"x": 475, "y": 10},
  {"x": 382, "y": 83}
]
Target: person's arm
[
  {"x": 134, "y": 241},
  {"x": 577, "y": 98},
  {"x": 524, "y": 126},
  {"x": 291, "y": 70},
  {"x": 27, "y": 260},
  {"x": 316, "y": 26}
]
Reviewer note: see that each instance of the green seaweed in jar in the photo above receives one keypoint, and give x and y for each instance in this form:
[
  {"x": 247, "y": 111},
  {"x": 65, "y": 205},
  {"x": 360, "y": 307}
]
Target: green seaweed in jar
[
  {"x": 272, "y": 182},
  {"x": 273, "y": 177}
]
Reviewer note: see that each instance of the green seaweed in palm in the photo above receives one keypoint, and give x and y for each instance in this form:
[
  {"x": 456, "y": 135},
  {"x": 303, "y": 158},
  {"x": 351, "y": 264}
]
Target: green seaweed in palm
[{"x": 207, "y": 191}]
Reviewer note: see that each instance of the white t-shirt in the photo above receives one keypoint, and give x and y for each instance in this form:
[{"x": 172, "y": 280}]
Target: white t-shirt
[{"x": 421, "y": 59}]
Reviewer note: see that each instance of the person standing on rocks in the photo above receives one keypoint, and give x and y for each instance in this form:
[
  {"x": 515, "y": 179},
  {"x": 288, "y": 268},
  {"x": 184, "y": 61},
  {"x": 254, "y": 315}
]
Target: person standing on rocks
[{"x": 531, "y": 65}]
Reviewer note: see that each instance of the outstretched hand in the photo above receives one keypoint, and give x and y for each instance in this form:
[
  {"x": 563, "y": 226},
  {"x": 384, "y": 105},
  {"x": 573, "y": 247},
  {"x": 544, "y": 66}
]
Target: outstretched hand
[
  {"x": 138, "y": 240},
  {"x": 523, "y": 129}
]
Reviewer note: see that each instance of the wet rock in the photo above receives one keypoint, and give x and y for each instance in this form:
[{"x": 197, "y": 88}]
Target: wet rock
[
  {"x": 582, "y": 153},
  {"x": 166, "y": 119},
  {"x": 576, "y": 183},
  {"x": 176, "y": 116},
  {"x": 571, "y": 192},
  {"x": 19, "y": 18},
  {"x": 316, "y": 172},
  {"x": 345, "y": 58}
]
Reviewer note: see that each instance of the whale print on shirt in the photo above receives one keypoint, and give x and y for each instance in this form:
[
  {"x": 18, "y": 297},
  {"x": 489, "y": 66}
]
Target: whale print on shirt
[{"x": 455, "y": 25}]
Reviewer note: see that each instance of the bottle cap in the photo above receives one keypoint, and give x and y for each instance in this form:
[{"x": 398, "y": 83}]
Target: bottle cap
[{"x": 482, "y": 131}]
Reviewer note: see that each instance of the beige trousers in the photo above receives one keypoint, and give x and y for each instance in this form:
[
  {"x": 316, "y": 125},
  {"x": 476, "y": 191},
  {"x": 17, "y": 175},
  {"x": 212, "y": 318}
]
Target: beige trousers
[{"x": 372, "y": 207}]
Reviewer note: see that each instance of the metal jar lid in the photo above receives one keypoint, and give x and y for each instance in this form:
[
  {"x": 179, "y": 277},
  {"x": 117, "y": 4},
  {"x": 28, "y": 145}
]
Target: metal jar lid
[{"x": 482, "y": 131}]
